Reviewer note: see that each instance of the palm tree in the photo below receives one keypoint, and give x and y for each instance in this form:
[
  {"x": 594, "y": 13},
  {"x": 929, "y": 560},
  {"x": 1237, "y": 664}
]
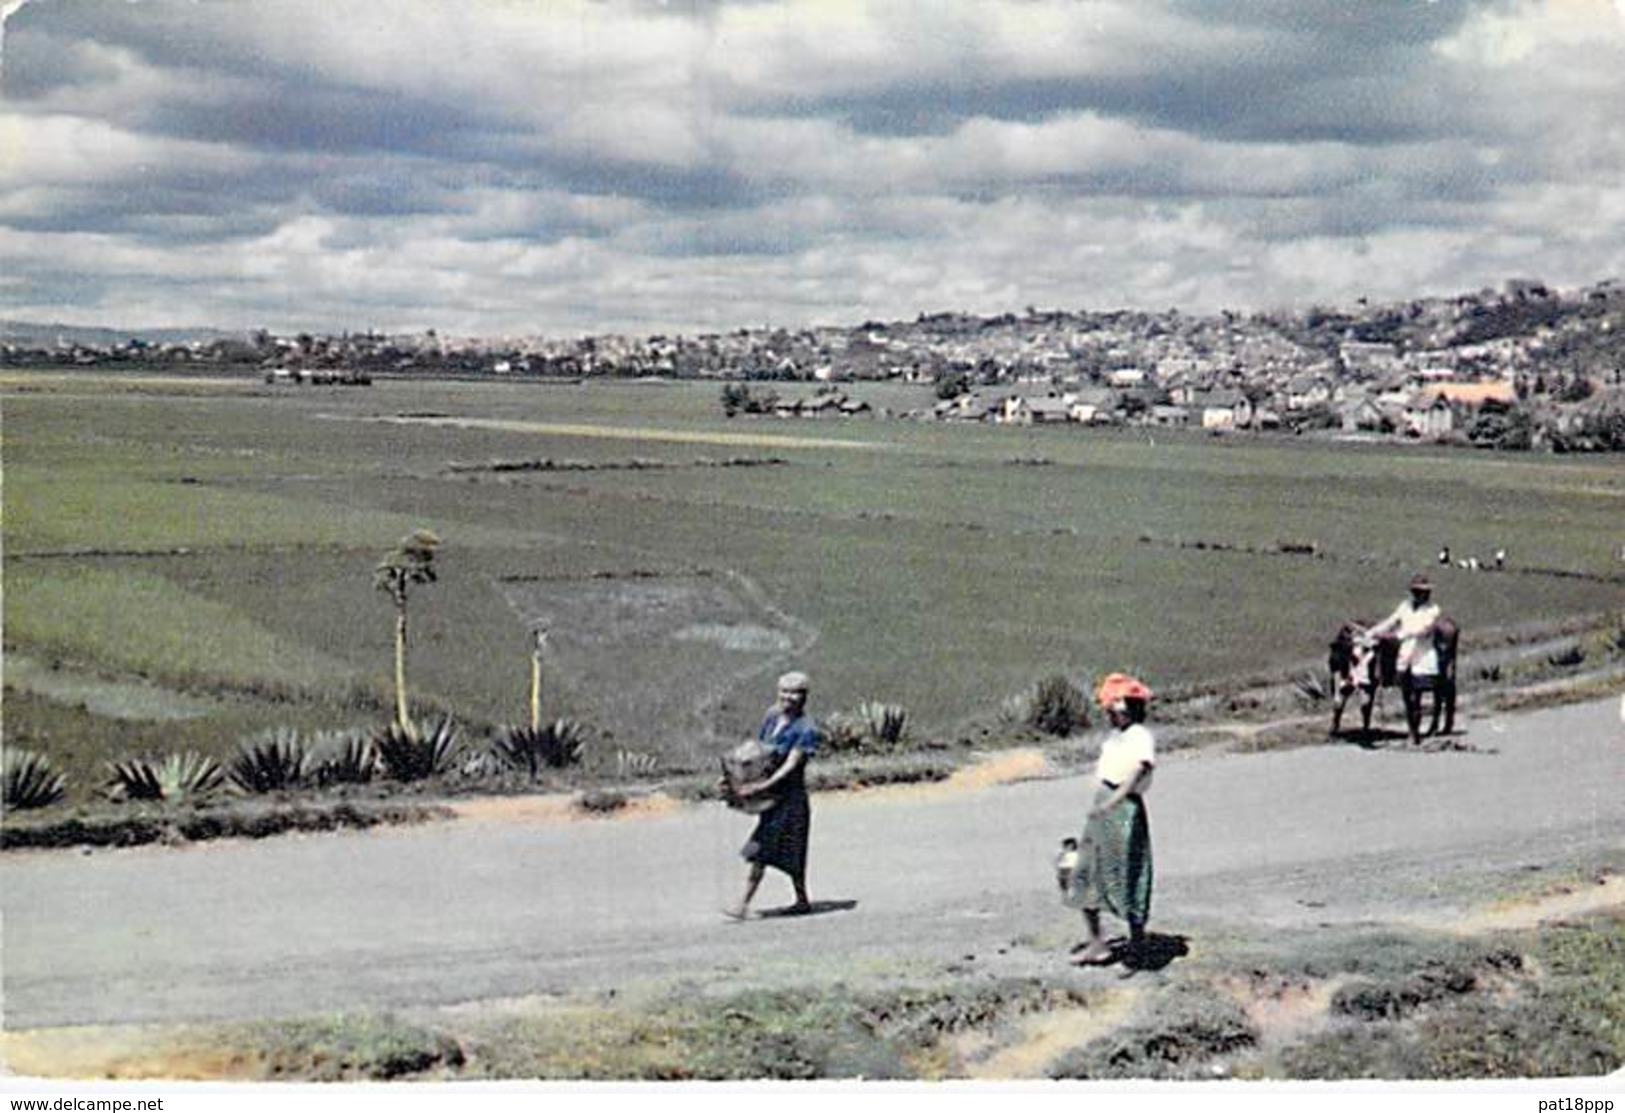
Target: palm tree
[{"x": 412, "y": 562}]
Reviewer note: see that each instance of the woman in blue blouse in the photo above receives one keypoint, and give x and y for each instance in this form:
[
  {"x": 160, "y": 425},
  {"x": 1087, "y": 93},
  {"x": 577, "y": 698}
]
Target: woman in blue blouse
[{"x": 780, "y": 837}]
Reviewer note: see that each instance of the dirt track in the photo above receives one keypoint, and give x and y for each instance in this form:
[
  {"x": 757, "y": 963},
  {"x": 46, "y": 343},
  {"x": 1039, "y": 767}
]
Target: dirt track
[{"x": 522, "y": 901}]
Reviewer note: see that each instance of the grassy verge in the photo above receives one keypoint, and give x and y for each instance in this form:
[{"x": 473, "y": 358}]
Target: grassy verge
[
  {"x": 88, "y": 816},
  {"x": 174, "y": 823},
  {"x": 1351, "y": 1003}
]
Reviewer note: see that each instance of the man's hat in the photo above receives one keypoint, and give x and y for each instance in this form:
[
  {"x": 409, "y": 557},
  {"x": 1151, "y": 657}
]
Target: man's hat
[{"x": 1420, "y": 582}]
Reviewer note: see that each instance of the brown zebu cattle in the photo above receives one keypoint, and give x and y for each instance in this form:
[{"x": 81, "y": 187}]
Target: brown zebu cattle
[
  {"x": 1353, "y": 662},
  {"x": 1446, "y": 636}
]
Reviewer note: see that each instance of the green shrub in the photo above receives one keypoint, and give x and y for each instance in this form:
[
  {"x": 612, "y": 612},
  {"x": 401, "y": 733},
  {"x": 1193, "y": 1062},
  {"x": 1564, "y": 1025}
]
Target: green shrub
[
  {"x": 1185, "y": 1029},
  {"x": 416, "y": 752},
  {"x": 1057, "y": 706},
  {"x": 1370, "y": 999},
  {"x": 272, "y": 762},
  {"x": 602, "y": 800},
  {"x": 30, "y": 781},
  {"x": 349, "y": 1048}
]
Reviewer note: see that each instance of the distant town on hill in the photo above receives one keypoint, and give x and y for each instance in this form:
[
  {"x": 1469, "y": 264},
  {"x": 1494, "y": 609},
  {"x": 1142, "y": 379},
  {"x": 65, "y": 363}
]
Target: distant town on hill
[{"x": 1525, "y": 366}]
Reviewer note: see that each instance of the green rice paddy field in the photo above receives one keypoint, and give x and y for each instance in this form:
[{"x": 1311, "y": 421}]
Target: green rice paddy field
[{"x": 187, "y": 561}]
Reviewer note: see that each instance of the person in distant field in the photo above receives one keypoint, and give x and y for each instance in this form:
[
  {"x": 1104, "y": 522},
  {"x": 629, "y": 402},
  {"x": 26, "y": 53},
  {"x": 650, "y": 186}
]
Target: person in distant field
[
  {"x": 1414, "y": 623},
  {"x": 1113, "y": 869},
  {"x": 780, "y": 837}
]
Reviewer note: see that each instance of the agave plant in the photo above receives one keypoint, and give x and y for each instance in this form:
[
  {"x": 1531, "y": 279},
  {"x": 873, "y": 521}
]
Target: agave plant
[
  {"x": 884, "y": 724},
  {"x": 1312, "y": 687},
  {"x": 840, "y": 733},
  {"x": 1013, "y": 709},
  {"x": 342, "y": 757},
  {"x": 553, "y": 745},
  {"x": 1567, "y": 657},
  {"x": 414, "y": 753},
  {"x": 635, "y": 764},
  {"x": 29, "y": 780},
  {"x": 271, "y": 762},
  {"x": 174, "y": 777}
]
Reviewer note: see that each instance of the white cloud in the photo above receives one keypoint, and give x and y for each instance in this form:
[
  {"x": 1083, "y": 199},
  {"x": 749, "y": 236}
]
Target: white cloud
[{"x": 508, "y": 165}]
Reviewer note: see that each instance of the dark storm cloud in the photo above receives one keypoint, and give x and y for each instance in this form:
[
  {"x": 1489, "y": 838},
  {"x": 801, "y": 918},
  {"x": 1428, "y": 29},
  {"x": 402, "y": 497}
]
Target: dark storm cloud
[{"x": 1357, "y": 73}]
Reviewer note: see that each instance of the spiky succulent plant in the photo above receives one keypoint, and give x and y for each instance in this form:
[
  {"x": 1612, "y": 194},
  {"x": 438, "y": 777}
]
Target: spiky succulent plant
[
  {"x": 172, "y": 777},
  {"x": 552, "y": 745},
  {"x": 416, "y": 752},
  {"x": 30, "y": 782},
  {"x": 272, "y": 762},
  {"x": 884, "y": 724},
  {"x": 342, "y": 758}
]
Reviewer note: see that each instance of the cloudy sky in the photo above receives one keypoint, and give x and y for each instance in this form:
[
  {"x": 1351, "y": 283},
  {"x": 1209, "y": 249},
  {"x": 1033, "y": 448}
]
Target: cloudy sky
[{"x": 578, "y": 166}]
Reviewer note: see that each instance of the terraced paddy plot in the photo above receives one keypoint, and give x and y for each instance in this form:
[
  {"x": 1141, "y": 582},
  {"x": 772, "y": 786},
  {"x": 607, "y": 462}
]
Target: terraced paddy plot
[
  {"x": 222, "y": 540},
  {"x": 676, "y": 648},
  {"x": 633, "y": 433}
]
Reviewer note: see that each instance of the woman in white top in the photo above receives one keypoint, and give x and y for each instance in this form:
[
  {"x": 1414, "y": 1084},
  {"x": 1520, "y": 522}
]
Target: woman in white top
[{"x": 1114, "y": 855}]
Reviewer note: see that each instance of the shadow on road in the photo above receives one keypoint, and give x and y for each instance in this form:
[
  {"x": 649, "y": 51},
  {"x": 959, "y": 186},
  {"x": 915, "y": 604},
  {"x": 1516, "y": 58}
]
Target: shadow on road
[
  {"x": 1376, "y": 738},
  {"x": 819, "y": 907},
  {"x": 1155, "y": 953}
]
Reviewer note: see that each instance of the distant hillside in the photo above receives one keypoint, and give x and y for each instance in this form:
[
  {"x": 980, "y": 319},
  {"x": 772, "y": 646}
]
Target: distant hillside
[{"x": 34, "y": 334}]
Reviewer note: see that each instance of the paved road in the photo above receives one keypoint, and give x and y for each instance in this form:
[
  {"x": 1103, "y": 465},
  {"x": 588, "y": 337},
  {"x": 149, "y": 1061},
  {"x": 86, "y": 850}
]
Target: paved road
[{"x": 477, "y": 910}]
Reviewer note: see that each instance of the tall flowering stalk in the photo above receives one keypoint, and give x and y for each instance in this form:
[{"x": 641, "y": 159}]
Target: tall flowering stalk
[{"x": 412, "y": 562}]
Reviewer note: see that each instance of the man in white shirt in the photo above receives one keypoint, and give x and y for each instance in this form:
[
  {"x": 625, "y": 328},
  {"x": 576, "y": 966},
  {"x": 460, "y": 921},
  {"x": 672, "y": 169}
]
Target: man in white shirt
[{"x": 1413, "y": 623}]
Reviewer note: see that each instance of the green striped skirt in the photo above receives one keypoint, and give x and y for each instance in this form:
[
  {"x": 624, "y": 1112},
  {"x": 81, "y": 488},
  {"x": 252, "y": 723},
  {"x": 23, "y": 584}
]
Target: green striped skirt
[{"x": 1114, "y": 861}]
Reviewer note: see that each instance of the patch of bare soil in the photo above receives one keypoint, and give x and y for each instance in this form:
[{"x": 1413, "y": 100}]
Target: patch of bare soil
[
  {"x": 1283, "y": 1010},
  {"x": 1037, "y": 1040},
  {"x": 556, "y": 808},
  {"x": 1006, "y": 767},
  {"x": 126, "y": 1054},
  {"x": 1580, "y": 899},
  {"x": 1003, "y": 768}
]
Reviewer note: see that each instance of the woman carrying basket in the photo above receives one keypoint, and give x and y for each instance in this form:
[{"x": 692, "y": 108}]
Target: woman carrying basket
[
  {"x": 780, "y": 837},
  {"x": 1114, "y": 854}
]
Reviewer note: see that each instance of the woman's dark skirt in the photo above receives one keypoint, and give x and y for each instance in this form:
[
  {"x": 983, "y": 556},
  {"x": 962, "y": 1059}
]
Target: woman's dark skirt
[
  {"x": 1114, "y": 862},
  {"x": 780, "y": 837}
]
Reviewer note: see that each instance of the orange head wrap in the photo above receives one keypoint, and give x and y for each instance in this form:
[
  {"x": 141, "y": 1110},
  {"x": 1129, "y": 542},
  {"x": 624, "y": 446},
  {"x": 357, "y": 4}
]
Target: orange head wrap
[{"x": 1120, "y": 686}]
